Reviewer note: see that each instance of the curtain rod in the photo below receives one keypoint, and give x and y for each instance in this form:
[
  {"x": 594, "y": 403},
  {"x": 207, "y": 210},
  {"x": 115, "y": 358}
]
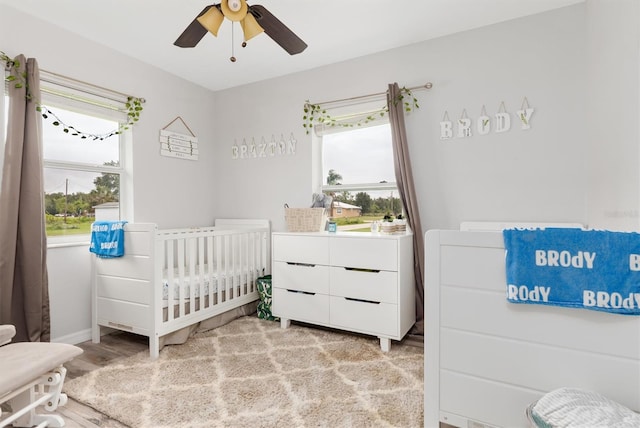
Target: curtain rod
[
  {"x": 427, "y": 85},
  {"x": 53, "y": 76}
]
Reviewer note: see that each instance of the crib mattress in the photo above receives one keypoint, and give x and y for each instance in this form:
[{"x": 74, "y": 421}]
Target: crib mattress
[{"x": 210, "y": 282}]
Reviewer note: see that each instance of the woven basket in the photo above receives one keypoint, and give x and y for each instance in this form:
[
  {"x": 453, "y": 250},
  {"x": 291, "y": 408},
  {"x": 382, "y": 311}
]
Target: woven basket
[
  {"x": 305, "y": 219},
  {"x": 392, "y": 227}
]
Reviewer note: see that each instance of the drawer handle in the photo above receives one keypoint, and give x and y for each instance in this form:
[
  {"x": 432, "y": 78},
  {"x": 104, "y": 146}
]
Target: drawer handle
[
  {"x": 362, "y": 300},
  {"x": 363, "y": 270},
  {"x": 301, "y": 264},
  {"x": 301, "y": 292}
]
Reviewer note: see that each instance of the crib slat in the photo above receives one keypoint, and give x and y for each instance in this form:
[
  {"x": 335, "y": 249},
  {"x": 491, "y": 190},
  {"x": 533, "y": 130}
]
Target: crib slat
[
  {"x": 258, "y": 257},
  {"x": 202, "y": 268},
  {"x": 168, "y": 265},
  {"x": 201, "y": 275},
  {"x": 219, "y": 260},
  {"x": 228, "y": 274},
  {"x": 244, "y": 273},
  {"x": 244, "y": 281},
  {"x": 191, "y": 272},
  {"x": 180, "y": 262},
  {"x": 243, "y": 259},
  {"x": 253, "y": 265},
  {"x": 237, "y": 274},
  {"x": 210, "y": 267},
  {"x": 255, "y": 237},
  {"x": 246, "y": 267},
  {"x": 238, "y": 266}
]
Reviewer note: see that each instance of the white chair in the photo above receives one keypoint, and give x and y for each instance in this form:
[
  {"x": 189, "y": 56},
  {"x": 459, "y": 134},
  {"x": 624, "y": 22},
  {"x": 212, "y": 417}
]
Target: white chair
[{"x": 31, "y": 376}]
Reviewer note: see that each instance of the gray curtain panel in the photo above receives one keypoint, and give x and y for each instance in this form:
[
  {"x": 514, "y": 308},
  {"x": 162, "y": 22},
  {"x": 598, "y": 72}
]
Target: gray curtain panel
[
  {"x": 404, "y": 178},
  {"x": 24, "y": 288}
]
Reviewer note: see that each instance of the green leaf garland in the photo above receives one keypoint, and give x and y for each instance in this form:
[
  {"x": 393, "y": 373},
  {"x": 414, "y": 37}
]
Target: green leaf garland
[
  {"x": 315, "y": 114},
  {"x": 19, "y": 80}
]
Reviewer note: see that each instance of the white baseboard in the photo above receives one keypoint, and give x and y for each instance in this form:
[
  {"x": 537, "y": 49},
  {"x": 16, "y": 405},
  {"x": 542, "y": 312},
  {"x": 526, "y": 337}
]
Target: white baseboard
[{"x": 74, "y": 338}]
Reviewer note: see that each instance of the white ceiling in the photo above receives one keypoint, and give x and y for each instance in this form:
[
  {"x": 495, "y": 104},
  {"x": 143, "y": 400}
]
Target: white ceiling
[{"x": 335, "y": 30}]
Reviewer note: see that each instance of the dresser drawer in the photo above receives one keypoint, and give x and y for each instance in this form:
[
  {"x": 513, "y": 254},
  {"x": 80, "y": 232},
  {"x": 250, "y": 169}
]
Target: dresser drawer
[
  {"x": 301, "y": 249},
  {"x": 300, "y": 306},
  {"x": 377, "y": 285},
  {"x": 374, "y": 318},
  {"x": 303, "y": 277},
  {"x": 365, "y": 253}
]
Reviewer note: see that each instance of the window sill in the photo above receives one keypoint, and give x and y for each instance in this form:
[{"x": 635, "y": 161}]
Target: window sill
[{"x": 68, "y": 241}]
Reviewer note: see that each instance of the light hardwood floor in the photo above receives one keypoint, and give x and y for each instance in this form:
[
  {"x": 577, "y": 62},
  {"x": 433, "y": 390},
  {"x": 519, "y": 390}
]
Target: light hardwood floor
[{"x": 113, "y": 347}]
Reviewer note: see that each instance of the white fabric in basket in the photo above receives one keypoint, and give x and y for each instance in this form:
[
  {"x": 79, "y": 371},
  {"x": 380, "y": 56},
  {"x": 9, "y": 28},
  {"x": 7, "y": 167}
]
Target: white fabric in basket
[{"x": 578, "y": 408}]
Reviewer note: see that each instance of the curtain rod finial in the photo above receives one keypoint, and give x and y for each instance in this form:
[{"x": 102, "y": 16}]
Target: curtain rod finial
[{"x": 428, "y": 85}]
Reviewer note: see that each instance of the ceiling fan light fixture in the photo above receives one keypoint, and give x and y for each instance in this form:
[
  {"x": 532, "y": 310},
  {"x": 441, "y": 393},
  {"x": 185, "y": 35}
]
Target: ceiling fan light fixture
[
  {"x": 211, "y": 20},
  {"x": 234, "y": 10},
  {"x": 250, "y": 27},
  {"x": 253, "y": 19}
]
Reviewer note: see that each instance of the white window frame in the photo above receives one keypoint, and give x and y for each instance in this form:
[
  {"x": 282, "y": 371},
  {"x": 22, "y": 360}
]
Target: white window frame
[
  {"x": 318, "y": 179},
  {"x": 84, "y": 98}
]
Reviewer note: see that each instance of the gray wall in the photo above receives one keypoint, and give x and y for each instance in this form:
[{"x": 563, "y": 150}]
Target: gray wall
[
  {"x": 534, "y": 175},
  {"x": 613, "y": 118},
  {"x": 167, "y": 191},
  {"x": 567, "y": 167},
  {"x": 577, "y": 66}
]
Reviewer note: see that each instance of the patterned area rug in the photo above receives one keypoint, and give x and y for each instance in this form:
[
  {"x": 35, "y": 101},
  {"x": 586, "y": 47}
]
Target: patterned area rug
[{"x": 252, "y": 373}]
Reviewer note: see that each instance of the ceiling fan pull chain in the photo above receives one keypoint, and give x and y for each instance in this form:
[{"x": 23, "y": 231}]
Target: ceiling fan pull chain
[{"x": 233, "y": 43}]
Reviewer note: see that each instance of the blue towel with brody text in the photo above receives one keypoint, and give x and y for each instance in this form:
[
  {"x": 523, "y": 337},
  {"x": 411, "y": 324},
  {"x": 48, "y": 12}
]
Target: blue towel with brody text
[
  {"x": 591, "y": 269},
  {"x": 107, "y": 238}
]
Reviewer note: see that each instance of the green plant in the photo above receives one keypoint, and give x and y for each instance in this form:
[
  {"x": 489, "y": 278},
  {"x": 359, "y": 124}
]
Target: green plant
[
  {"x": 316, "y": 114},
  {"x": 19, "y": 80},
  {"x": 134, "y": 108}
]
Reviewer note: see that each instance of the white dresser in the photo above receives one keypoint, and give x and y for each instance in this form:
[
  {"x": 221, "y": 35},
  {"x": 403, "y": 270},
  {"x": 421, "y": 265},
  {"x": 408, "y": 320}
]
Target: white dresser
[{"x": 361, "y": 282}]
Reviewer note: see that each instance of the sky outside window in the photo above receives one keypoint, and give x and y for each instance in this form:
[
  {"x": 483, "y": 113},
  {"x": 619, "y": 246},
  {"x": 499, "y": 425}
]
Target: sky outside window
[
  {"x": 361, "y": 155},
  {"x": 60, "y": 146}
]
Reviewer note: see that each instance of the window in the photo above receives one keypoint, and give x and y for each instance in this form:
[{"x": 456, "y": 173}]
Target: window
[
  {"x": 357, "y": 170},
  {"x": 85, "y": 179},
  {"x": 81, "y": 176}
]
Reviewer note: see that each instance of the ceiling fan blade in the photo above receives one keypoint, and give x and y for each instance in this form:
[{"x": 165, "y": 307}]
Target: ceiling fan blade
[
  {"x": 279, "y": 32},
  {"x": 193, "y": 33}
]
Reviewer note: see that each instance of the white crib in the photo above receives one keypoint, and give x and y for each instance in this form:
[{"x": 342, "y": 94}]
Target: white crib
[
  {"x": 172, "y": 279},
  {"x": 486, "y": 359}
]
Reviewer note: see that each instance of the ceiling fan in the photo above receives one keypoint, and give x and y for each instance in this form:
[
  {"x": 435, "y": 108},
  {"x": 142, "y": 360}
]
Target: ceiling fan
[{"x": 253, "y": 20}]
